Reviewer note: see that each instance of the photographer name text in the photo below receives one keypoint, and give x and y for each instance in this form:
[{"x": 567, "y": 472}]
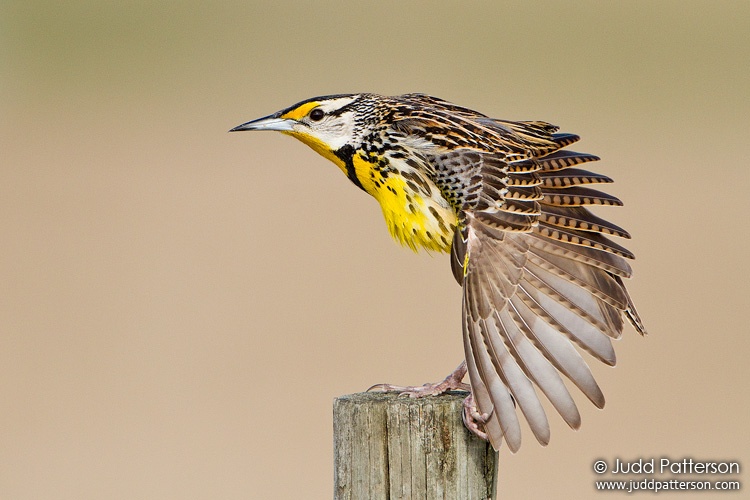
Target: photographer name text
[{"x": 667, "y": 465}]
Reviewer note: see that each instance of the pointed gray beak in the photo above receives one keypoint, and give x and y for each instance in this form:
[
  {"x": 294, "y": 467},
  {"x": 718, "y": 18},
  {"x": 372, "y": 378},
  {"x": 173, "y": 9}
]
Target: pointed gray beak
[{"x": 271, "y": 122}]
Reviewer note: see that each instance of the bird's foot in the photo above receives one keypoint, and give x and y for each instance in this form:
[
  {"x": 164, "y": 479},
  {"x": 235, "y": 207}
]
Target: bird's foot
[
  {"x": 451, "y": 383},
  {"x": 473, "y": 420}
]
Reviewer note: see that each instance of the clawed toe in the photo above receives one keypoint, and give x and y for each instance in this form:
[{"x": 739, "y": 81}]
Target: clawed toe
[
  {"x": 473, "y": 420},
  {"x": 415, "y": 391},
  {"x": 452, "y": 382}
]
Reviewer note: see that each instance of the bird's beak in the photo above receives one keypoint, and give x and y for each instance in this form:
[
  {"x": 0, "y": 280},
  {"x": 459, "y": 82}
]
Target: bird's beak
[{"x": 271, "y": 122}]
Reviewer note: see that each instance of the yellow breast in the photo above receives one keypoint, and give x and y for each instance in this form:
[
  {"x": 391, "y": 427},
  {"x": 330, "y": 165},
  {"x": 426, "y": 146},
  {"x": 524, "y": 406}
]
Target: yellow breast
[{"x": 416, "y": 213}]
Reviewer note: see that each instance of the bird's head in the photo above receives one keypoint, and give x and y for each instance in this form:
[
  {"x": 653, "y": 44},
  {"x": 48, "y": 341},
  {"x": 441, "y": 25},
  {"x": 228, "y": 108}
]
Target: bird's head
[{"x": 327, "y": 124}]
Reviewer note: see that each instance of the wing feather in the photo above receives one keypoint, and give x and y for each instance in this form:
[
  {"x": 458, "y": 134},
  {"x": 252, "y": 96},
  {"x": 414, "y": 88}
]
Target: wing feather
[
  {"x": 539, "y": 276},
  {"x": 579, "y": 218},
  {"x": 506, "y": 365},
  {"x": 537, "y": 367},
  {"x": 558, "y": 350},
  {"x": 491, "y": 394}
]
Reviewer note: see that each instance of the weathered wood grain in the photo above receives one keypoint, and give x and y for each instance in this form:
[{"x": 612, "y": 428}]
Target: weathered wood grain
[{"x": 390, "y": 447}]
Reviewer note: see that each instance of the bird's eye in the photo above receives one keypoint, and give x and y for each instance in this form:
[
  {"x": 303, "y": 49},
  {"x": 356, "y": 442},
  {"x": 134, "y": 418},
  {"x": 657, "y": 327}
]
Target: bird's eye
[{"x": 317, "y": 114}]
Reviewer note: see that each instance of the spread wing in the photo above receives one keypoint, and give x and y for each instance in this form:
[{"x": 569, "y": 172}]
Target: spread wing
[{"x": 539, "y": 275}]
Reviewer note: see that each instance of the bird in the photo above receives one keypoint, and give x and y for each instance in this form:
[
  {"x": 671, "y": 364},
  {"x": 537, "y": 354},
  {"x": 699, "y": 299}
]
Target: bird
[{"x": 541, "y": 277}]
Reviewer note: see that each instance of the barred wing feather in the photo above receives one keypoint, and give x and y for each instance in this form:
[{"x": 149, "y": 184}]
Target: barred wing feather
[{"x": 539, "y": 278}]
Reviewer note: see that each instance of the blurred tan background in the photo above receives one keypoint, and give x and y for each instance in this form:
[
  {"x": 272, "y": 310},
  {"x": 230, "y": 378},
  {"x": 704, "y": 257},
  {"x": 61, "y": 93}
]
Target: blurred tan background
[{"x": 179, "y": 306}]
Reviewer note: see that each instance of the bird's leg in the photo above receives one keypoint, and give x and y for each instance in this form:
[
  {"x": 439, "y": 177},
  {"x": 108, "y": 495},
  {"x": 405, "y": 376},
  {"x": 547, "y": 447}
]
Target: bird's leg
[
  {"x": 451, "y": 383},
  {"x": 473, "y": 420}
]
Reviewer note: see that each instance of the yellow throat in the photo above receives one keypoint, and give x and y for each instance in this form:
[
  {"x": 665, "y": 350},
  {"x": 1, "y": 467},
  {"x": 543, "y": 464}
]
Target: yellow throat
[{"x": 415, "y": 211}]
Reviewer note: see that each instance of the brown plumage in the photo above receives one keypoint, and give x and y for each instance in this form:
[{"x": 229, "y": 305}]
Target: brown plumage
[{"x": 540, "y": 274}]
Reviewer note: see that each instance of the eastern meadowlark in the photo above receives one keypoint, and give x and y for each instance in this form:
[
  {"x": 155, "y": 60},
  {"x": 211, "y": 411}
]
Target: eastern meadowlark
[{"x": 539, "y": 276}]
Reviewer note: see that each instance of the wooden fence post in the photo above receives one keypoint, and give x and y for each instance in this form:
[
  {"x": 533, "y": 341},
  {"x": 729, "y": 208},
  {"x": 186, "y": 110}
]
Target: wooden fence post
[{"x": 390, "y": 447}]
